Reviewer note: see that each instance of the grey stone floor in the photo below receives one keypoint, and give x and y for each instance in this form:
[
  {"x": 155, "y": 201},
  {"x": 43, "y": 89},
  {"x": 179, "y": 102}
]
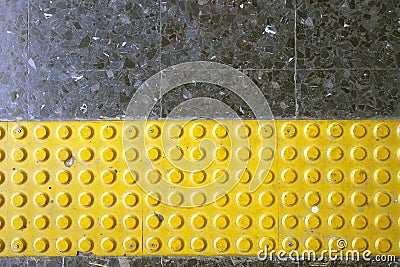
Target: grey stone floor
[
  {"x": 76, "y": 59},
  {"x": 68, "y": 59}
]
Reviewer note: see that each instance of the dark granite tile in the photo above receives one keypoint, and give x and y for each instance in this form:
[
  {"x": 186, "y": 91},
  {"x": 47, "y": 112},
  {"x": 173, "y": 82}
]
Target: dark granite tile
[
  {"x": 94, "y": 34},
  {"x": 14, "y": 61},
  {"x": 347, "y": 94},
  {"x": 188, "y": 92},
  {"x": 243, "y": 34},
  {"x": 348, "y": 34},
  {"x": 278, "y": 88},
  {"x": 83, "y": 95}
]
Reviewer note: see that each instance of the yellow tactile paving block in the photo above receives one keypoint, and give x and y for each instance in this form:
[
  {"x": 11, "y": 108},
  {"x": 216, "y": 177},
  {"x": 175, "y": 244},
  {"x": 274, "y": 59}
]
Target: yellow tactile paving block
[{"x": 185, "y": 188}]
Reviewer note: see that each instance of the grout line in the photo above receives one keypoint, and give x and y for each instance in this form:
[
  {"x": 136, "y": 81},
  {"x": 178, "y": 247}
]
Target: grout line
[
  {"x": 160, "y": 48},
  {"x": 296, "y": 89},
  {"x": 26, "y": 63}
]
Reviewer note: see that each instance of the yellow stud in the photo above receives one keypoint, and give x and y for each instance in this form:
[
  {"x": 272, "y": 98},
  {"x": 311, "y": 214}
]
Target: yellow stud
[
  {"x": 244, "y": 244},
  {"x": 221, "y": 221},
  {"x": 290, "y": 221},
  {"x": 243, "y": 131},
  {"x": 85, "y": 244},
  {"x": 19, "y": 154},
  {"x": 41, "y": 245},
  {"x": 313, "y": 243},
  {"x": 108, "y": 154},
  {"x": 153, "y": 131},
  {"x": 267, "y": 221},
  {"x": 131, "y": 222},
  {"x": 289, "y": 198},
  {"x": 41, "y": 132},
  {"x": 267, "y": 198},
  {"x": 63, "y": 244},
  {"x": 130, "y": 244},
  {"x": 153, "y": 244},
  {"x": 86, "y": 154},
  {"x": 18, "y": 222},
  {"x": 358, "y": 130},
  {"x": 41, "y": 154},
  {"x": 289, "y": 175},
  {"x": 41, "y": 199},
  {"x": 175, "y": 221},
  {"x": 289, "y": 153},
  {"x": 358, "y": 153},
  {"x": 359, "y": 221},
  {"x": 312, "y": 221},
  {"x": 381, "y": 153},
  {"x": 109, "y": 132},
  {"x": 198, "y": 244},
  {"x": 63, "y": 222},
  {"x": 335, "y": 221},
  {"x": 108, "y": 244},
  {"x": 175, "y": 244},
  {"x": 175, "y": 131},
  {"x": 86, "y": 176},
  {"x": 312, "y": 175},
  {"x": 19, "y": 132},
  {"x": 130, "y": 199},
  {"x": 243, "y": 221},
  {"x": 312, "y": 153},
  {"x": 64, "y": 132},
  {"x": 198, "y": 177},
  {"x": 18, "y": 245},
  {"x": 383, "y": 221},
  {"x": 86, "y": 132},
  {"x": 335, "y": 198},
  {"x": 130, "y": 132},
  {"x": 289, "y": 130},
  {"x": 221, "y": 244},
  {"x": 312, "y": 130},
  {"x": 358, "y": 199},
  {"x": 266, "y": 131},
  {"x": 198, "y": 221},
  {"x": 381, "y": 131},
  {"x": 335, "y": 130},
  {"x": 198, "y": 131},
  {"x": 108, "y": 222},
  {"x": 19, "y": 177},
  {"x": 85, "y": 222},
  {"x": 220, "y": 131},
  {"x": 41, "y": 222},
  {"x": 358, "y": 176},
  {"x": 335, "y": 153},
  {"x": 108, "y": 199},
  {"x": 290, "y": 243},
  {"x": 359, "y": 244}
]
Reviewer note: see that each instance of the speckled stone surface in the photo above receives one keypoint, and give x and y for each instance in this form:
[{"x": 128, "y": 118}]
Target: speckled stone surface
[{"x": 70, "y": 59}]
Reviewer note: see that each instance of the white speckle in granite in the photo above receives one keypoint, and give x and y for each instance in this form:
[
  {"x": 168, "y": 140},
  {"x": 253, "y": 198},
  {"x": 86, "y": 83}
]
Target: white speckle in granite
[
  {"x": 283, "y": 105},
  {"x": 95, "y": 38},
  {"x": 270, "y": 30},
  {"x": 110, "y": 74},
  {"x": 47, "y": 15},
  {"x": 83, "y": 108},
  {"x": 32, "y": 63},
  {"x": 76, "y": 77},
  {"x": 309, "y": 22},
  {"x": 42, "y": 107}
]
